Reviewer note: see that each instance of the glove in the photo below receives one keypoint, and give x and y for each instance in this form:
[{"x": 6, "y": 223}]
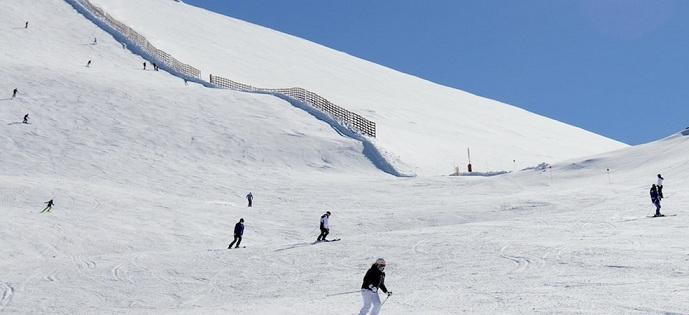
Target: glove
[
  {"x": 372, "y": 288},
  {"x": 389, "y": 293}
]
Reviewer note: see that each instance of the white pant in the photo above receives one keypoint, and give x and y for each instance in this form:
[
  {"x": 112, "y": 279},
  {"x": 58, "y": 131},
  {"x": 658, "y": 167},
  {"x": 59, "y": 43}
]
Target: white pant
[{"x": 370, "y": 298}]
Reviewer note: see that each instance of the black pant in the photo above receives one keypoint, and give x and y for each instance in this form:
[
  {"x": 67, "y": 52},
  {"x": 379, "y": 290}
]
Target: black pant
[
  {"x": 250, "y": 201},
  {"x": 656, "y": 202},
  {"x": 324, "y": 233},
  {"x": 660, "y": 191},
  {"x": 238, "y": 239}
]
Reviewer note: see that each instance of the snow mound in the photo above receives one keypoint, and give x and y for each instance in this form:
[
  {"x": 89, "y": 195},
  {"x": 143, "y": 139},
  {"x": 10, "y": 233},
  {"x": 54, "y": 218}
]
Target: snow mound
[{"x": 427, "y": 125}]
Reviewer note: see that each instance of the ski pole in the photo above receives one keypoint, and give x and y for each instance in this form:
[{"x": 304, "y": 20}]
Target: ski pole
[
  {"x": 343, "y": 293},
  {"x": 386, "y": 299}
]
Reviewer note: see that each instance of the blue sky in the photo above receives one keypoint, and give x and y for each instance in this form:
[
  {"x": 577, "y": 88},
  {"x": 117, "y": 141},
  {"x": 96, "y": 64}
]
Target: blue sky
[{"x": 619, "y": 68}]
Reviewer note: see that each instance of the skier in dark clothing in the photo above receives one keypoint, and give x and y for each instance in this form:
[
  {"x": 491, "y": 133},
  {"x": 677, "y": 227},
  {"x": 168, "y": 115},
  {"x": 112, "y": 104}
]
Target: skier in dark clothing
[
  {"x": 660, "y": 186},
  {"x": 325, "y": 227},
  {"x": 26, "y": 119},
  {"x": 155, "y": 66},
  {"x": 373, "y": 280},
  {"x": 144, "y": 65},
  {"x": 49, "y": 206},
  {"x": 238, "y": 232},
  {"x": 88, "y": 64},
  {"x": 26, "y": 25},
  {"x": 250, "y": 199},
  {"x": 655, "y": 199},
  {"x": 14, "y": 93}
]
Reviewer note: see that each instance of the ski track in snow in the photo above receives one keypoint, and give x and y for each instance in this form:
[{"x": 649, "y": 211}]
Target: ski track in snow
[
  {"x": 521, "y": 262},
  {"x": 7, "y": 294}
]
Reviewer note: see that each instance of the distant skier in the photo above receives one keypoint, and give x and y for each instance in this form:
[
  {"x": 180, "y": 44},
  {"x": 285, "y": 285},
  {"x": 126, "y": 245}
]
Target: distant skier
[
  {"x": 14, "y": 93},
  {"x": 250, "y": 199},
  {"x": 26, "y": 25},
  {"x": 88, "y": 64},
  {"x": 144, "y": 65},
  {"x": 655, "y": 200},
  {"x": 49, "y": 206},
  {"x": 95, "y": 40},
  {"x": 373, "y": 280},
  {"x": 660, "y": 186},
  {"x": 26, "y": 119},
  {"x": 325, "y": 227},
  {"x": 155, "y": 66},
  {"x": 238, "y": 232}
]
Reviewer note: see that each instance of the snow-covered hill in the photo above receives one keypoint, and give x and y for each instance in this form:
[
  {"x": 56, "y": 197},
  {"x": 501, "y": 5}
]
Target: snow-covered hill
[
  {"x": 427, "y": 125},
  {"x": 149, "y": 176}
]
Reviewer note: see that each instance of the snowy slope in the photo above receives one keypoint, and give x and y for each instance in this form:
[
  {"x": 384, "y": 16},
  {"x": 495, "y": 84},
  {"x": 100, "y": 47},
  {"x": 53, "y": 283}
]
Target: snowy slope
[
  {"x": 427, "y": 125},
  {"x": 144, "y": 213}
]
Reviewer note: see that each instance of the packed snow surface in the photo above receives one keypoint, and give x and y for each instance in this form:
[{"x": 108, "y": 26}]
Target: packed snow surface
[
  {"x": 428, "y": 126},
  {"x": 149, "y": 176}
]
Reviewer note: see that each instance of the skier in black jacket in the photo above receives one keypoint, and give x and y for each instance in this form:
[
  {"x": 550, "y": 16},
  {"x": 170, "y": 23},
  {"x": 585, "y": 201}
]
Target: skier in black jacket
[
  {"x": 373, "y": 280},
  {"x": 655, "y": 199},
  {"x": 49, "y": 206},
  {"x": 238, "y": 232}
]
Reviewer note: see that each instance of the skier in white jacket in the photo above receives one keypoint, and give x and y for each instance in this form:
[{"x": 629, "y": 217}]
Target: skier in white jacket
[{"x": 325, "y": 227}]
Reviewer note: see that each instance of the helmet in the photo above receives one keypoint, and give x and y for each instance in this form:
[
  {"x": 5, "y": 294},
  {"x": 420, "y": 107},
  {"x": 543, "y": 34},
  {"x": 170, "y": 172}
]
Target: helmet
[
  {"x": 380, "y": 262},
  {"x": 241, "y": 220},
  {"x": 327, "y": 212}
]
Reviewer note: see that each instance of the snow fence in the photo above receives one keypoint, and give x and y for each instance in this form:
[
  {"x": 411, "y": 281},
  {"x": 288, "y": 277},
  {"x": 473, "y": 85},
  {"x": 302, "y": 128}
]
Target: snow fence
[{"x": 342, "y": 116}]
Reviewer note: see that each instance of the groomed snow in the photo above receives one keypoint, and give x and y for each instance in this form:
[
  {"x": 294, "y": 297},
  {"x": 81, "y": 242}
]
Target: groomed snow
[
  {"x": 428, "y": 126},
  {"x": 149, "y": 176}
]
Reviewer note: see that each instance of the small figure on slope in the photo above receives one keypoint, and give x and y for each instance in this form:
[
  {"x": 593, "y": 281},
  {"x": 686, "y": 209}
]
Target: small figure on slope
[
  {"x": 26, "y": 119},
  {"x": 250, "y": 199},
  {"x": 325, "y": 227},
  {"x": 144, "y": 65},
  {"x": 238, "y": 232},
  {"x": 49, "y": 206},
  {"x": 655, "y": 199},
  {"x": 95, "y": 40},
  {"x": 26, "y": 25},
  {"x": 155, "y": 66},
  {"x": 88, "y": 64},
  {"x": 373, "y": 281},
  {"x": 660, "y": 186},
  {"x": 14, "y": 92}
]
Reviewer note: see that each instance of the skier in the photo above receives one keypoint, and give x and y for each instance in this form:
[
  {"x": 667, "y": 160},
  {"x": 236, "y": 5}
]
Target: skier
[
  {"x": 26, "y": 119},
  {"x": 26, "y": 25},
  {"x": 373, "y": 280},
  {"x": 95, "y": 40},
  {"x": 655, "y": 200},
  {"x": 250, "y": 198},
  {"x": 88, "y": 64},
  {"x": 238, "y": 232},
  {"x": 325, "y": 227},
  {"x": 155, "y": 66},
  {"x": 14, "y": 92},
  {"x": 660, "y": 186},
  {"x": 144, "y": 65},
  {"x": 49, "y": 206}
]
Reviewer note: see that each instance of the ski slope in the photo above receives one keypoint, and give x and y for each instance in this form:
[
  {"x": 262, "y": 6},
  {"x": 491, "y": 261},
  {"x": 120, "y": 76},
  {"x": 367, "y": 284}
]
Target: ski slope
[
  {"x": 428, "y": 126},
  {"x": 149, "y": 176}
]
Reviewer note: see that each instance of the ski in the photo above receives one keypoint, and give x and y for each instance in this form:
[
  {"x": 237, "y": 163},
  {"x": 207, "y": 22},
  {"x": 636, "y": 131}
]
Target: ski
[
  {"x": 326, "y": 241},
  {"x": 662, "y": 215}
]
